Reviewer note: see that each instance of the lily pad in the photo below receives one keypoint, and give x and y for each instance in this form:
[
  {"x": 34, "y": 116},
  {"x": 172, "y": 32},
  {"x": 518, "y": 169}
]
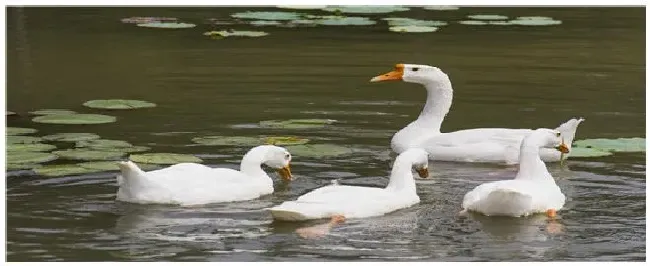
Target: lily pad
[
  {"x": 71, "y": 137},
  {"x": 14, "y": 167},
  {"x": 132, "y": 149},
  {"x": 14, "y": 131},
  {"x": 414, "y": 22},
  {"x": 342, "y": 21},
  {"x": 473, "y": 22},
  {"x": 265, "y": 23},
  {"x": 89, "y": 155},
  {"x": 441, "y": 7},
  {"x": 535, "y": 21},
  {"x": 613, "y": 145},
  {"x": 365, "y": 9},
  {"x": 297, "y": 123},
  {"x": 103, "y": 144},
  {"x": 118, "y": 104},
  {"x": 143, "y": 20},
  {"x": 302, "y": 7},
  {"x": 285, "y": 141},
  {"x": 263, "y": 15},
  {"x": 587, "y": 152},
  {"x": 488, "y": 17},
  {"x": 499, "y": 22},
  {"x": 52, "y": 112},
  {"x": 22, "y": 140},
  {"x": 75, "y": 119},
  {"x": 113, "y": 166},
  {"x": 227, "y": 141},
  {"x": 30, "y": 147},
  {"x": 319, "y": 150},
  {"x": 63, "y": 170},
  {"x": 167, "y": 25},
  {"x": 164, "y": 158},
  {"x": 234, "y": 33},
  {"x": 29, "y": 157},
  {"x": 412, "y": 29}
]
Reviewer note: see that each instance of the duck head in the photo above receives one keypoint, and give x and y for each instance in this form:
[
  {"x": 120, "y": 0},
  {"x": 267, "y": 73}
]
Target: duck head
[
  {"x": 279, "y": 158},
  {"x": 413, "y": 73}
]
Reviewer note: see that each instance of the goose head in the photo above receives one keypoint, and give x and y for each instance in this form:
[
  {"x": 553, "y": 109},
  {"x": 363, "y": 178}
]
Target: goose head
[
  {"x": 279, "y": 158},
  {"x": 550, "y": 138},
  {"x": 419, "y": 159},
  {"x": 421, "y": 74}
]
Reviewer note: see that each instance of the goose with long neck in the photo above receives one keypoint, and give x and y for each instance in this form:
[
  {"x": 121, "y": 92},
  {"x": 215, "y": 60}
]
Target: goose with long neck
[
  {"x": 533, "y": 190},
  {"x": 193, "y": 184},
  {"x": 492, "y": 145},
  {"x": 340, "y": 201}
]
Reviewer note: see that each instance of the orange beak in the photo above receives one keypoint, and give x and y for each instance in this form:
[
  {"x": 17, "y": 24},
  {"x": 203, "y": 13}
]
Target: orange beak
[
  {"x": 285, "y": 173},
  {"x": 423, "y": 172},
  {"x": 563, "y": 148},
  {"x": 393, "y": 75}
]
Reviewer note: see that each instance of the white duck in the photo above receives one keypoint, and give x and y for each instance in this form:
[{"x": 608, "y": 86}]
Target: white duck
[
  {"x": 192, "y": 184},
  {"x": 339, "y": 202},
  {"x": 532, "y": 191},
  {"x": 492, "y": 145}
]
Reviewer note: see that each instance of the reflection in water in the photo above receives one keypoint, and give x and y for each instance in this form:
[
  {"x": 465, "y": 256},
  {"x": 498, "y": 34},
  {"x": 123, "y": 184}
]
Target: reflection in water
[{"x": 525, "y": 229}]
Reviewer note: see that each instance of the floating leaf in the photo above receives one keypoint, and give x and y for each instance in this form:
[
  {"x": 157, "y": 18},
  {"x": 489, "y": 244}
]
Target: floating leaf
[
  {"x": 302, "y": 7},
  {"x": 71, "y": 137},
  {"x": 63, "y": 170},
  {"x": 132, "y": 149},
  {"x": 113, "y": 166},
  {"x": 499, "y": 22},
  {"x": 14, "y": 131},
  {"x": 227, "y": 141},
  {"x": 30, "y": 147},
  {"x": 263, "y": 15},
  {"x": 102, "y": 144},
  {"x": 319, "y": 150},
  {"x": 414, "y": 22},
  {"x": 52, "y": 112},
  {"x": 14, "y": 167},
  {"x": 265, "y": 23},
  {"x": 143, "y": 20},
  {"x": 89, "y": 155},
  {"x": 365, "y": 9},
  {"x": 167, "y": 25},
  {"x": 118, "y": 104},
  {"x": 77, "y": 119},
  {"x": 234, "y": 33},
  {"x": 29, "y": 157},
  {"x": 587, "y": 152},
  {"x": 22, "y": 140},
  {"x": 412, "y": 29},
  {"x": 473, "y": 22},
  {"x": 164, "y": 158},
  {"x": 441, "y": 7},
  {"x": 297, "y": 123},
  {"x": 342, "y": 21},
  {"x": 285, "y": 141},
  {"x": 613, "y": 145},
  {"x": 488, "y": 17},
  {"x": 535, "y": 21}
]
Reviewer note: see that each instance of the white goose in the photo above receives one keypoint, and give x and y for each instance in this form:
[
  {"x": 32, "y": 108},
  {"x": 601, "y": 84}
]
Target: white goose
[
  {"x": 532, "y": 191},
  {"x": 340, "y": 202},
  {"x": 192, "y": 184},
  {"x": 492, "y": 145}
]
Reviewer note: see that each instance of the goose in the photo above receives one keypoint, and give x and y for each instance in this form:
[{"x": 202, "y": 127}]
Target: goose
[
  {"x": 533, "y": 190},
  {"x": 195, "y": 184},
  {"x": 489, "y": 145},
  {"x": 340, "y": 202}
]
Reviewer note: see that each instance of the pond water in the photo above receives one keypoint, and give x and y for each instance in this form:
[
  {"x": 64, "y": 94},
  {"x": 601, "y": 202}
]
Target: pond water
[{"x": 591, "y": 65}]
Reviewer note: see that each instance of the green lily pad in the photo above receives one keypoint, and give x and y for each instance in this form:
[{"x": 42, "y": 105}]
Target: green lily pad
[
  {"x": 412, "y": 29},
  {"x": 319, "y": 150},
  {"x": 167, "y": 25},
  {"x": 71, "y": 137},
  {"x": 63, "y": 170},
  {"x": 488, "y": 17},
  {"x": 52, "y": 112},
  {"x": 30, "y": 147},
  {"x": 499, "y": 22},
  {"x": 29, "y": 157},
  {"x": 113, "y": 166},
  {"x": 414, "y": 22},
  {"x": 164, "y": 158},
  {"x": 342, "y": 21},
  {"x": 103, "y": 144},
  {"x": 441, "y": 7},
  {"x": 365, "y": 9},
  {"x": 297, "y": 123},
  {"x": 579, "y": 152},
  {"x": 535, "y": 21},
  {"x": 263, "y": 15},
  {"x": 473, "y": 22},
  {"x": 89, "y": 155},
  {"x": 302, "y": 7},
  {"x": 265, "y": 23},
  {"x": 613, "y": 145},
  {"x": 227, "y": 141},
  {"x": 14, "y": 131},
  {"x": 118, "y": 104},
  {"x": 285, "y": 141},
  {"x": 14, "y": 167},
  {"x": 234, "y": 33},
  {"x": 75, "y": 119},
  {"x": 22, "y": 140}
]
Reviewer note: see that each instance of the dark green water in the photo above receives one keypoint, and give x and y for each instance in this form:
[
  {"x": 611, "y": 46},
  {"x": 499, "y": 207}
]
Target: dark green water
[{"x": 591, "y": 65}]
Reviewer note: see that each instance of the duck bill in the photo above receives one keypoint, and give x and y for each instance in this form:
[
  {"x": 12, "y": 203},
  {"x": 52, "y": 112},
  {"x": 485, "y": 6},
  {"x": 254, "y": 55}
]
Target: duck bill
[
  {"x": 423, "y": 172},
  {"x": 563, "y": 148},
  {"x": 285, "y": 173},
  {"x": 393, "y": 75}
]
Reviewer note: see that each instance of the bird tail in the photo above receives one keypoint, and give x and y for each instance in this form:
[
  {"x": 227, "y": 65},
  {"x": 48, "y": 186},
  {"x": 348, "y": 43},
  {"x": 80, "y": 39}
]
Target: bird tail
[
  {"x": 503, "y": 201},
  {"x": 299, "y": 211},
  {"x": 130, "y": 178},
  {"x": 568, "y": 130}
]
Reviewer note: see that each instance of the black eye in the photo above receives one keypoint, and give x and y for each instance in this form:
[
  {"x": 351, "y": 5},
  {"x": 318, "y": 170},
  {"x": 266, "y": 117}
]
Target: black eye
[
  {"x": 557, "y": 134},
  {"x": 287, "y": 157},
  {"x": 415, "y": 69}
]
